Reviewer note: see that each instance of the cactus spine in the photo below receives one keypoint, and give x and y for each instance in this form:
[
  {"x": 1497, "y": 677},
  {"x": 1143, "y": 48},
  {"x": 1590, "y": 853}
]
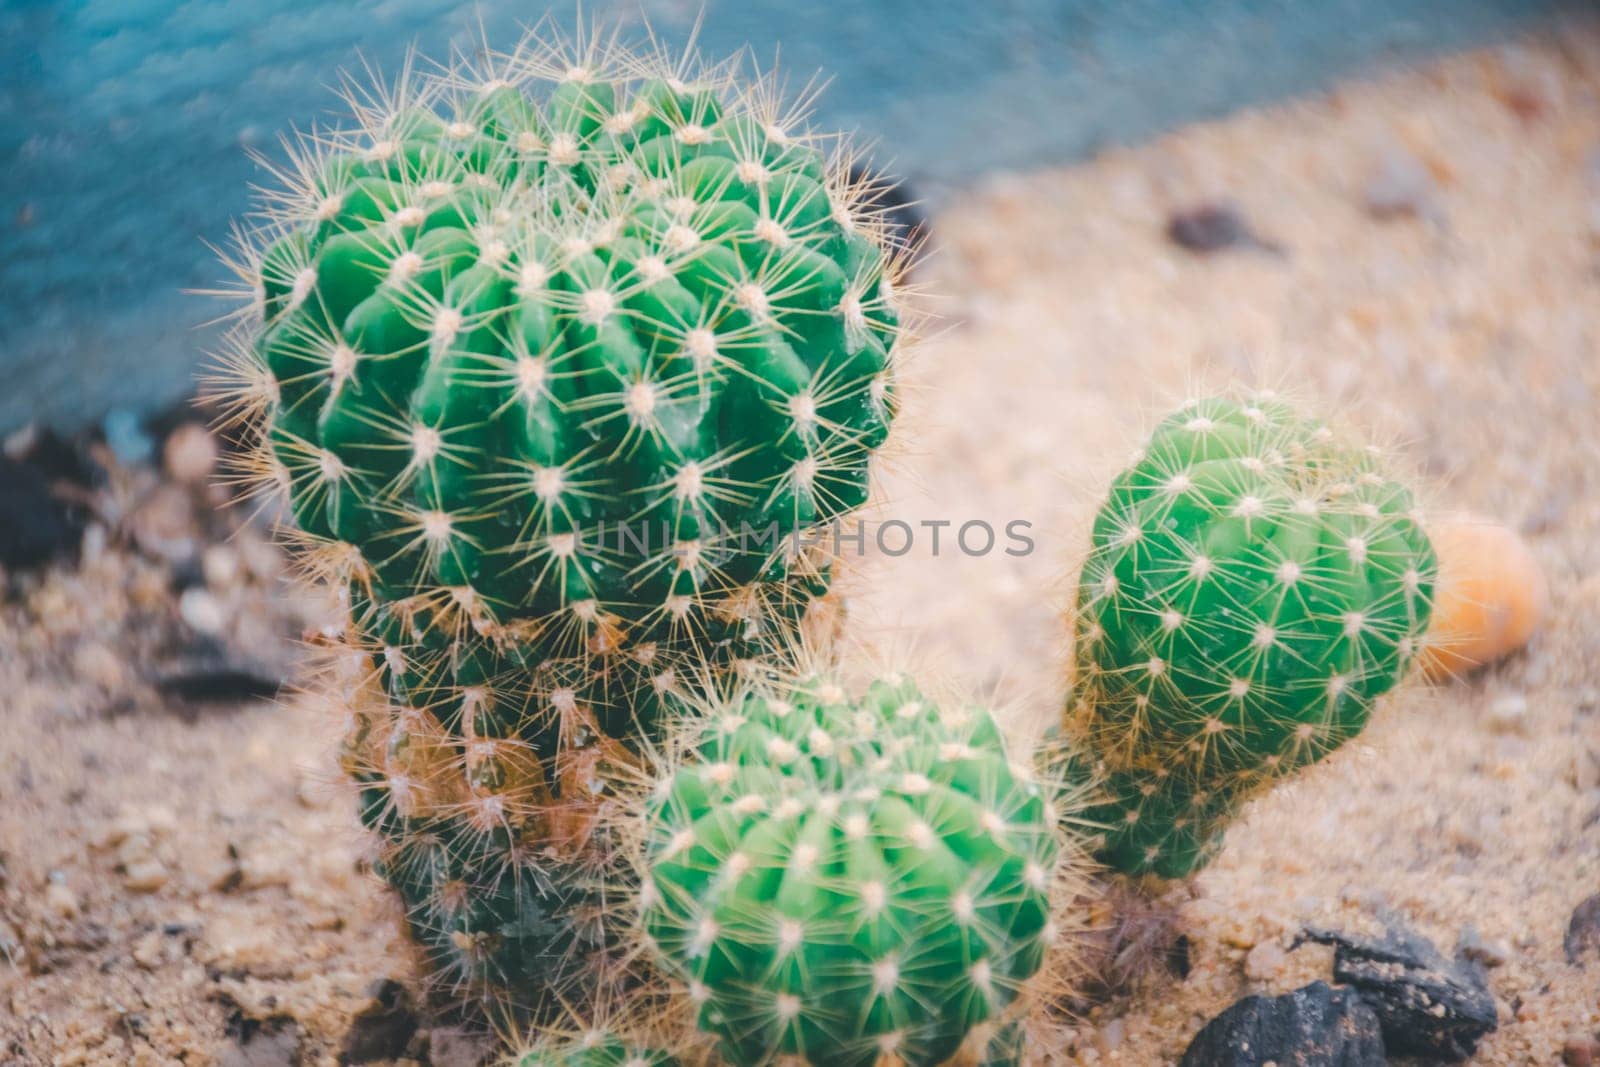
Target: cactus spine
[
  {"x": 1253, "y": 585},
  {"x": 838, "y": 880},
  {"x": 557, "y": 356}
]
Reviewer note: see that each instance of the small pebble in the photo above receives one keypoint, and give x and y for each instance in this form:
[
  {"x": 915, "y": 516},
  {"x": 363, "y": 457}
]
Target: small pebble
[
  {"x": 1265, "y": 961},
  {"x": 1110, "y": 1036},
  {"x": 190, "y": 454},
  {"x": 221, "y": 567},
  {"x": 1401, "y": 187},
  {"x": 1583, "y": 930},
  {"x": 150, "y": 951},
  {"x": 1580, "y": 1052},
  {"x": 60, "y": 899},
  {"x": 1475, "y": 948},
  {"x": 145, "y": 876},
  {"x": 202, "y": 612},
  {"x": 1209, "y": 228},
  {"x": 1509, "y": 713}
]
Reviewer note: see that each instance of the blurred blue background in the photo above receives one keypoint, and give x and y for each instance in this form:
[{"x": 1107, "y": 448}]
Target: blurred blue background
[{"x": 123, "y": 123}]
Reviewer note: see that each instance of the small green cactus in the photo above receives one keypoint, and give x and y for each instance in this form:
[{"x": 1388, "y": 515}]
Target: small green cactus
[
  {"x": 1253, "y": 586},
  {"x": 560, "y": 358},
  {"x": 594, "y": 1049},
  {"x": 837, "y": 880}
]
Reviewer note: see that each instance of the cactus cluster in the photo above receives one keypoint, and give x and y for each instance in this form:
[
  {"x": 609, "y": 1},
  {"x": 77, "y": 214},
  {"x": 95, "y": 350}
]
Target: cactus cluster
[
  {"x": 1253, "y": 585},
  {"x": 838, "y": 880},
  {"x": 560, "y": 358}
]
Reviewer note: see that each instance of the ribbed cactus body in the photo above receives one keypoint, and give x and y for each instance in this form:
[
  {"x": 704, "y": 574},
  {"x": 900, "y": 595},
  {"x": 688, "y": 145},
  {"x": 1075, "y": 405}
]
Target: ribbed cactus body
[
  {"x": 608, "y": 350},
  {"x": 837, "y": 879},
  {"x": 561, "y": 356},
  {"x": 1253, "y": 585}
]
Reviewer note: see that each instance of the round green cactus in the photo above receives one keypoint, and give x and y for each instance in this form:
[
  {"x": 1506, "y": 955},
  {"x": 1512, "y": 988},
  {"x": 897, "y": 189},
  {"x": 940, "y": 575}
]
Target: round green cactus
[
  {"x": 595, "y": 1049},
  {"x": 837, "y": 879},
  {"x": 1253, "y": 586},
  {"x": 603, "y": 351},
  {"x": 563, "y": 359}
]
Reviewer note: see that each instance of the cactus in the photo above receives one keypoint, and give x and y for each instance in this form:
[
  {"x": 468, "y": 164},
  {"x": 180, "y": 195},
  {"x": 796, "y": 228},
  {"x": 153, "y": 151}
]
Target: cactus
[
  {"x": 594, "y": 1049},
  {"x": 837, "y": 880},
  {"x": 561, "y": 359},
  {"x": 1253, "y": 586}
]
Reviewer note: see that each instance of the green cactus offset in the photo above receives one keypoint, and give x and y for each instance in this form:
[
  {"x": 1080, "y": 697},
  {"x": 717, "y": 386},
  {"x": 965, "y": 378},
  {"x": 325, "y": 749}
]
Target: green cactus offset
[
  {"x": 560, "y": 357},
  {"x": 1253, "y": 585},
  {"x": 836, "y": 880}
]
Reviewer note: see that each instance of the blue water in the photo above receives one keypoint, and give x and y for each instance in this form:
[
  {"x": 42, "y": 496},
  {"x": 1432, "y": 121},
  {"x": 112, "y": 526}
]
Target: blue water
[{"x": 123, "y": 123}]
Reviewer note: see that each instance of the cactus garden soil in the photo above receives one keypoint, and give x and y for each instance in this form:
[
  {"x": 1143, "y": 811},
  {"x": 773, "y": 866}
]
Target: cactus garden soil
[{"x": 181, "y": 882}]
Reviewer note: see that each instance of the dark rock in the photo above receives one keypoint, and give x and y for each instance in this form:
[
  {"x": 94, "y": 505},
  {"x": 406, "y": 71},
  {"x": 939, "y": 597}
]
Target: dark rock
[
  {"x": 1214, "y": 228},
  {"x": 1583, "y": 929},
  {"x": 383, "y": 1029},
  {"x": 271, "y": 1042},
  {"x": 1429, "y": 1007},
  {"x": 209, "y": 681},
  {"x": 38, "y": 527},
  {"x": 64, "y": 461},
  {"x": 1178, "y": 963},
  {"x": 1315, "y": 1026}
]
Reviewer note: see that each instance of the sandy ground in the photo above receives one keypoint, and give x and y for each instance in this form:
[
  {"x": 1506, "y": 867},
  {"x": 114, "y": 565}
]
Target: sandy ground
[{"x": 184, "y": 884}]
